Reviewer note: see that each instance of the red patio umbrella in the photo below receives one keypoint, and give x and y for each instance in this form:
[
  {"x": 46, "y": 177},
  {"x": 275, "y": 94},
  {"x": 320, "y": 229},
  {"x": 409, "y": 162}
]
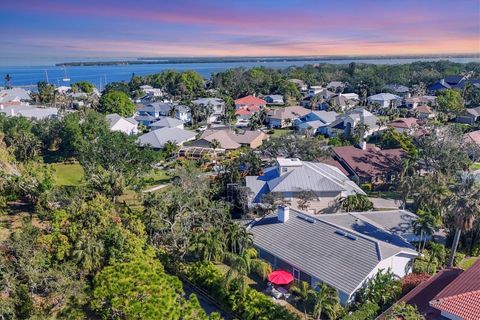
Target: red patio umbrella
[{"x": 280, "y": 277}]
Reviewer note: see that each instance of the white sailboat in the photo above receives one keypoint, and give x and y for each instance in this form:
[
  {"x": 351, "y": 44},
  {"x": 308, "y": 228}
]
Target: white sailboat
[{"x": 65, "y": 78}]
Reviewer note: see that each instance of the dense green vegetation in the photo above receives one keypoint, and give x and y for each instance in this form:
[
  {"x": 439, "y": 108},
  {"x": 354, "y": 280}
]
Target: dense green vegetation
[{"x": 95, "y": 246}]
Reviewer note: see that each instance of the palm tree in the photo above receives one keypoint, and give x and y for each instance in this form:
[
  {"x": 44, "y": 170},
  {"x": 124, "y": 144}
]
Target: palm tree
[
  {"x": 302, "y": 296},
  {"x": 381, "y": 289},
  {"x": 241, "y": 267},
  {"x": 465, "y": 206},
  {"x": 215, "y": 144},
  {"x": 89, "y": 253},
  {"x": 437, "y": 252},
  {"x": 325, "y": 301},
  {"x": 425, "y": 226},
  {"x": 8, "y": 80},
  {"x": 357, "y": 202}
]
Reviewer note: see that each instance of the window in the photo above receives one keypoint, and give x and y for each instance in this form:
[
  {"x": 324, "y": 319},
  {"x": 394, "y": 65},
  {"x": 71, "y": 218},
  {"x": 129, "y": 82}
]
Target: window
[{"x": 284, "y": 169}]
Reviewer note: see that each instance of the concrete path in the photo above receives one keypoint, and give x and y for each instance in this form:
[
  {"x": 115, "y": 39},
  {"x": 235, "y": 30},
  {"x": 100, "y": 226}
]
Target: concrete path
[{"x": 155, "y": 188}]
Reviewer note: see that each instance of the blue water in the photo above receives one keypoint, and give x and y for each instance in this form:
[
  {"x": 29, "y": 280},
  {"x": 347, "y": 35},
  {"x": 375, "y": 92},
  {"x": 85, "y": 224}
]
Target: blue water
[{"x": 100, "y": 75}]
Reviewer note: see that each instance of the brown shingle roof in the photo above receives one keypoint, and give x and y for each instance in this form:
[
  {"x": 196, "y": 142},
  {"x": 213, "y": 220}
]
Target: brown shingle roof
[
  {"x": 472, "y": 137},
  {"x": 288, "y": 113},
  {"x": 372, "y": 161}
]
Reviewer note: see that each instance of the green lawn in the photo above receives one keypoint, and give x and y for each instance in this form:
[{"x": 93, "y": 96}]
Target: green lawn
[
  {"x": 467, "y": 262},
  {"x": 281, "y": 132},
  {"x": 68, "y": 174},
  {"x": 475, "y": 166},
  {"x": 158, "y": 176}
]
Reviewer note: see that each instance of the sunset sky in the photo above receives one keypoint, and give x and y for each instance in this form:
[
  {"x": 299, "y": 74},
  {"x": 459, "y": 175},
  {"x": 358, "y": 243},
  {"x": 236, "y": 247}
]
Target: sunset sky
[{"x": 48, "y": 30}]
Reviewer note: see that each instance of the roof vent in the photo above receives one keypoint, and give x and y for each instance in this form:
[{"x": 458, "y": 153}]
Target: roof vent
[{"x": 345, "y": 234}]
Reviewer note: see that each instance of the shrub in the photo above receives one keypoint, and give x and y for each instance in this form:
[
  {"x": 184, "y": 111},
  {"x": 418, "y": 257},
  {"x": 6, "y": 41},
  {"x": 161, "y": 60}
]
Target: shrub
[
  {"x": 410, "y": 281},
  {"x": 367, "y": 187},
  {"x": 403, "y": 311},
  {"x": 366, "y": 311},
  {"x": 251, "y": 305}
]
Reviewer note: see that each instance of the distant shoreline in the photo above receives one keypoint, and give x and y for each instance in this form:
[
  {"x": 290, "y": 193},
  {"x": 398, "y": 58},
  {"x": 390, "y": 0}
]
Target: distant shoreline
[{"x": 177, "y": 60}]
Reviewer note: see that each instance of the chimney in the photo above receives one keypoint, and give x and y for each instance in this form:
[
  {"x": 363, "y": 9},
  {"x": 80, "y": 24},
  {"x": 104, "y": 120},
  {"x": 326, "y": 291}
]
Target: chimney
[
  {"x": 283, "y": 213},
  {"x": 442, "y": 81},
  {"x": 1, "y": 106},
  {"x": 12, "y": 112},
  {"x": 363, "y": 145}
]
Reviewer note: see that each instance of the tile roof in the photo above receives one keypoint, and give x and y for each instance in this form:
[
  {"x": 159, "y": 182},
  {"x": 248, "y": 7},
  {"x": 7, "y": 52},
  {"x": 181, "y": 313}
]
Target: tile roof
[
  {"x": 372, "y": 161},
  {"x": 250, "y": 100},
  {"x": 422, "y": 294},
  {"x": 248, "y": 110},
  {"x": 384, "y": 97},
  {"x": 405, "y": 123},
  {"x": 472, "y": 137},
  {"x": 461, "y": 297},
  {"x": 322, "y": 249},
  {"x": 288, "y": 112}
]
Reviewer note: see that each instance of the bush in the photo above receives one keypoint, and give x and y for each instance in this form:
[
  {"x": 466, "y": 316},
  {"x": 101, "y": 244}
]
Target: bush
[
  {"x": 252, "y": 305},
  {"x": 366, "y": 311},
  {"x": 367, "y": 187},
  {"x": 410, "y": 281}
]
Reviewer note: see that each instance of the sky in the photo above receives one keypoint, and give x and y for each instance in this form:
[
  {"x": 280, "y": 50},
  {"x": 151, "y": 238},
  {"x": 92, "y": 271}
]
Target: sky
[{"x": 33, "y": 31}]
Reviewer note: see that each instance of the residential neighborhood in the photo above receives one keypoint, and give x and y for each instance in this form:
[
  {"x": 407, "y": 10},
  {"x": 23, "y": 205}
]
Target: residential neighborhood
[{"x": 369, "y": 197}]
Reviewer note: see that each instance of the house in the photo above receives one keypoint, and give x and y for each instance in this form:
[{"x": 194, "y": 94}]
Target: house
[
  {"x": 385, "y": 100},
  {"x": 14, "y": 95},
  {"x": 167, "y": 122},
  {"x": 342, "y": 250},
  {"x": 119, "y": 123},
  {"x": 229, "y": 139},
  {"x": 289, "y": 178},
  {"x": 250, "y": 101},
  {"x": 320, "y": 97},
  {"x": 29, "y": 111},
  {"x": 156, "y": 110},
  {"x": 449, "y": 82},
  {"x": 319, "y": 90},
  {"x": 351, "y": 96},
  {"x": 398, "y": 90},
  {"x": 300, "y": 84},
  {"x": 370, "y": 164},
  {"x": 346, "y": 123},
  {"x": 274, "y": 99},
  {"x": 414, "y": 102},
  {"x": 316, "y": 121},
  {"x": 245, "y": 113},
  {"x": 450, "y": 294},
  {"x": 405, "y": 125},
  {"x": 157, "y": 139},
  {"x": 285, "y": 117},
  {"x": 470, "y": 116},
  {"x": 425, "y": 112},
  {"x": 151, "y": 91},
  {"x": 217, "y": 106},
  {"x": 145, "y": 120},
  {"x": 472, "y": 137},
  {"x": 336, "y": 86},
  {"x": 340, "y": 100}
]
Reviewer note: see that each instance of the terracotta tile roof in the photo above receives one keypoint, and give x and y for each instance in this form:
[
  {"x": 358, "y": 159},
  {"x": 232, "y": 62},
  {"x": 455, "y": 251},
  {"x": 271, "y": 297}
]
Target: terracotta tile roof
[
  {"x": 472, "y": 137},
  {"x": 250, "y": 101},
  {"x": 421, "y": 295},
  {"x": 424, "y": 109},
  {"x": 405, "y": 123},
  {"x": 462, "y": 296},
  {"x": 372, "y": 161}
]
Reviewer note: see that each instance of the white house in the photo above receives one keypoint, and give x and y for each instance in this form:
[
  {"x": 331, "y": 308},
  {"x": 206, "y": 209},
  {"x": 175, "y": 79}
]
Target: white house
[
  {"x": 385, "y": 100},
  {"x": 119, "y": 123},
  {"x": 342, "y": 250}
]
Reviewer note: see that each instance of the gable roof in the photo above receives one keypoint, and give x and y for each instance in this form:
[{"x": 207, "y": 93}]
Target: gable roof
[
  {"x": 322, "y": 249},
  {"x": 157, "y": 138},
  {"x": 323, "y": 116},
  {"x": 288, "y": 113},
  {"x": 462, "y": 296},
  {"x": 114, "y": 118},
  {"x": 341, "y": 100},
  {"x": 397, "y": 88},
  {"x": 250, "y": 101},
  {"x": 206, "y": 101},
  {"x": 372, "y": 161}
]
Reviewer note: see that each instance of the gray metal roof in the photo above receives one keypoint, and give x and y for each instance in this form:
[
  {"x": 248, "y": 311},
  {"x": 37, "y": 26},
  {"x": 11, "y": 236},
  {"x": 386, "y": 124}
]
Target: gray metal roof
[
  {"x": 206, "y": 101},
  {"x": 167, "y": 122},
  {"x": 310, "y": 176},
  {"x": 114, "y": 118},
  {"x": 157, "y": 138},
  {"x": 320, "y": 249}
]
